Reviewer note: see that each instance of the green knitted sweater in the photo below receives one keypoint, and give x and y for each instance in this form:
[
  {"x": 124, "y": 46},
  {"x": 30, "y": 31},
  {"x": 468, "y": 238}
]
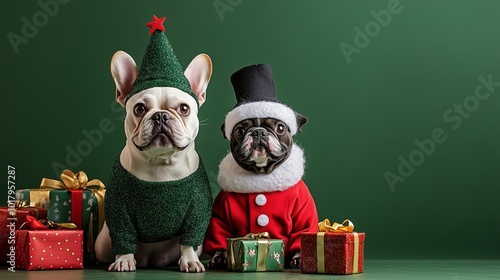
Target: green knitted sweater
[{"x": 137, "y": 210}]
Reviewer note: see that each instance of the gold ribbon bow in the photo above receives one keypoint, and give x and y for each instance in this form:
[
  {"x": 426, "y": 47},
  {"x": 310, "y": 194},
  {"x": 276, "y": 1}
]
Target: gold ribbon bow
[
  {"x": 20, "y": 204},
  {"x": 262, "y": 239},
  {"x": 324, "y": 227},
  {"x": 52, "y": 225},
  {"x": 72, "y": 181},
  {"x": 264, "y": 234}
]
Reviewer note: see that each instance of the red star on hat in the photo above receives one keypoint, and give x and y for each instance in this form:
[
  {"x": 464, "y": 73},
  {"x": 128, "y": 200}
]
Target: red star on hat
[{"x": 156, "y": 24}]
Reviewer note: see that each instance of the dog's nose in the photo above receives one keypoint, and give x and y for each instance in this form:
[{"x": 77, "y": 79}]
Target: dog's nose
[
  {"x": 160, "y": 117},
  {"x": 259, "y": 133}
]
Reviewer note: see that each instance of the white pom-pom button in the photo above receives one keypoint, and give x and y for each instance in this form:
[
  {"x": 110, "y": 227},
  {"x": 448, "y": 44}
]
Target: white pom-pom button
[
  {"x": 263, "y": 220},
  {"x": 260, "y": 200}
]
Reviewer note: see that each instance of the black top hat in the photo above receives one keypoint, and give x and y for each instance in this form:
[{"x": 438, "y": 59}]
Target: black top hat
[
  {"x": 256, "y": 98},
  {"x": 254, "y": 83}
]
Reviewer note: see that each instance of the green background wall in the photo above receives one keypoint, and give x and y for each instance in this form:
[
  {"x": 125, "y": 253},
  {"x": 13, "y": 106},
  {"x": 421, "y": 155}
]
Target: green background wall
[{"x": 404, "y": 81}]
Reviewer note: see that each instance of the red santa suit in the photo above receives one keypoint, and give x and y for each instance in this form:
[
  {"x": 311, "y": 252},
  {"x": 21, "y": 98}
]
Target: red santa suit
[{"x": 279, "y": 203}]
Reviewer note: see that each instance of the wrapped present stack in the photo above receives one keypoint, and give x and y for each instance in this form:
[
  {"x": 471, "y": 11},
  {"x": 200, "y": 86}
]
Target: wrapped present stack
[
  {"x": 255, "y": 252},
  {"x": 335, "y": 249},
  {"x": 12, "y": 218},
  {"x": 73, "y": 199}
]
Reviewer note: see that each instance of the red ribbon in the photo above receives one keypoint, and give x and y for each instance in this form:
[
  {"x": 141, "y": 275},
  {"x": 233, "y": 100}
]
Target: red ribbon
[
  {"x": 34, "y": 223},
  {"x": 76, "y": 207}
]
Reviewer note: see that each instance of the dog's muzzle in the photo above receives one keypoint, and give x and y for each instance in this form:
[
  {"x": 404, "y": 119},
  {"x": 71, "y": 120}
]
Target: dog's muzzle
[
  {"x": 260, "y": 137},
  {"x": 161, "y": 134}
]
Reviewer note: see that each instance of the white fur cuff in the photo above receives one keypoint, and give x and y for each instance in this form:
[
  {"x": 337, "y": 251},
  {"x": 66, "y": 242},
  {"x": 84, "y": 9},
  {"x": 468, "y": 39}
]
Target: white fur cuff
[{"x": 233, "y": 178}]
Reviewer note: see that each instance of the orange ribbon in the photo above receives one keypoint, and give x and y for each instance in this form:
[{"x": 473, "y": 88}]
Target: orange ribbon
[
  {"x": 325, "y": 227},
  {"x": 78, "y": 181}
]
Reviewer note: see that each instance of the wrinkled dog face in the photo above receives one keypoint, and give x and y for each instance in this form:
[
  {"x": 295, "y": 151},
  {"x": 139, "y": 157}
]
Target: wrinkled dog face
[
  {"x": 161, "y": 121},
  {"x": 260, "y": 144}
]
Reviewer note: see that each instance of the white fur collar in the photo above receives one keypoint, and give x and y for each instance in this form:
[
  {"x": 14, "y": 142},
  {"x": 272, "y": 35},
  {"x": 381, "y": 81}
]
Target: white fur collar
[{"x": 233, "y": 178}]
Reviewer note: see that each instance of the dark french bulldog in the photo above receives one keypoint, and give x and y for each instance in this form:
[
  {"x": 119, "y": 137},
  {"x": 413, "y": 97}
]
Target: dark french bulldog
[{"x": 261, "y": 177}]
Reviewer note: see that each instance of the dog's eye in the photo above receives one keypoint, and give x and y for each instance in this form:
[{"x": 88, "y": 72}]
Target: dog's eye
[
  {"x": 280, "y": 129},
  {"x": 139, "y": 110},
  {"x": 183, "y": 109},
  {"x": 239, "y": 131}
]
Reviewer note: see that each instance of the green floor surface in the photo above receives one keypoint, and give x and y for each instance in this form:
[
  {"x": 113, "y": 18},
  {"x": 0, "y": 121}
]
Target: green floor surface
[{"x": 380, "y": 269}]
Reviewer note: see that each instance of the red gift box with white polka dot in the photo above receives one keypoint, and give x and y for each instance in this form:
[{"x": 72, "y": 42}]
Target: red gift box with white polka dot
[
  {"x": 332, "y": 253},
  {"x": 12, "y": 219},
  {"x": 49, "y": 249}
]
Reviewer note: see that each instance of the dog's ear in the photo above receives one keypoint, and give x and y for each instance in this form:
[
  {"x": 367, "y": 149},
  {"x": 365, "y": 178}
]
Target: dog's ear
[
  {"x": 222, "y": 128},
  {"x": 124, "y": 72},
  {"x": 198, "y": 74},
  {"x": 301, "y": 120}
]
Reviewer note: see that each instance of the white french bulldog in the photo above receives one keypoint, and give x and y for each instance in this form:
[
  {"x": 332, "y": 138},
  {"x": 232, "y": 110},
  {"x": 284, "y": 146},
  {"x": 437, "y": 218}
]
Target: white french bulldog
[{"x": 161, "y": 125}]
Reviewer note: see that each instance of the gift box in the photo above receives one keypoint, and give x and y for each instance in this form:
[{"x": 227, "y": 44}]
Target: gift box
[
  {"x": 60, "y": 204},
  {"x": 255, "y": 252},
  {"x": 340, "y": 251},
  {"x": 49, "y": 249},
  {"x": 12, "y": 218},
  {"x": 73, "y": 199}
]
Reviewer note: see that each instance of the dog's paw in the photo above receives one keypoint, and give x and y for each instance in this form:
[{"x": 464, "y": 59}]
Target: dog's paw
[
  {"x": 123, "y": 263},
  {"x": 219, "y": 260},
  {"x": 190, "y": 265},
  {"x": 295, "y": 263},
  {"x": 189, "y": 261}
]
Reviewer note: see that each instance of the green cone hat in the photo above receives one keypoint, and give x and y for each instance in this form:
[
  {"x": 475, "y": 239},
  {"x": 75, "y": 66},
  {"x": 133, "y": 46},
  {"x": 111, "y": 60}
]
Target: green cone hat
[{"x": 160, "y": 67}]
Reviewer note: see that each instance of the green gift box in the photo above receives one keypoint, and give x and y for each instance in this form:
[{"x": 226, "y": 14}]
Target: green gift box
[
  {"x": 255, "y": 252},
  {"x": 59, "y": 204},
  {"x": 74, "y": 199}
]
